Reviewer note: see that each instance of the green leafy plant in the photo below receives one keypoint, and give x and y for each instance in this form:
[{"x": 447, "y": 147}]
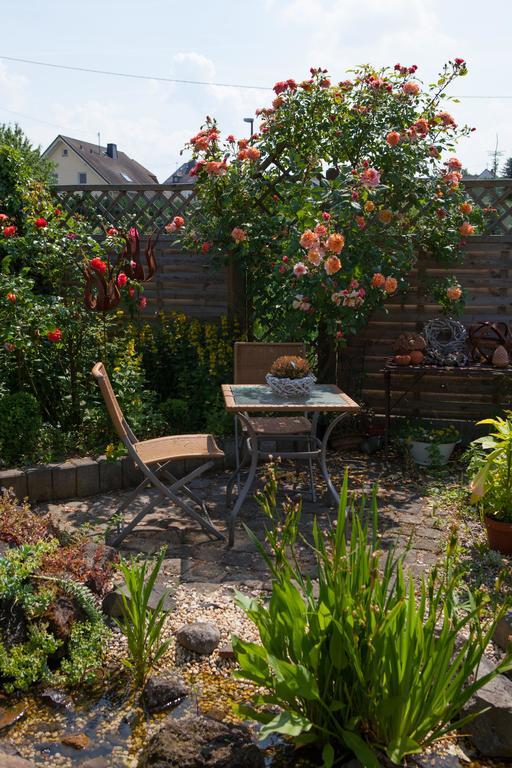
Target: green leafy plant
[
  {"x": 141, "y": 625},
  {"x": 425, "y": 432},
  {"x": 20, "y": 424},
  {"x": 359, "y": 663},
  {"x": 491, "y": 468}
]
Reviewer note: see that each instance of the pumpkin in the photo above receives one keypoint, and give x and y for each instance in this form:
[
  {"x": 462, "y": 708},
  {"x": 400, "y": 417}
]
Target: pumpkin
[
  {"x": 402, "y": 359},
  {"x": 417, "y": 357}
]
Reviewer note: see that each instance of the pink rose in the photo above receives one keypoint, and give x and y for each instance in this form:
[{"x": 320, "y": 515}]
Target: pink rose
[{"x": 370, "y": 177}]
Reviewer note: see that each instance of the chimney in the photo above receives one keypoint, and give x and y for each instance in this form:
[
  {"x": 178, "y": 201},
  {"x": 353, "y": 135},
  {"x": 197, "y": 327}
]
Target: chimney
[{"x": 112, "y": 151}]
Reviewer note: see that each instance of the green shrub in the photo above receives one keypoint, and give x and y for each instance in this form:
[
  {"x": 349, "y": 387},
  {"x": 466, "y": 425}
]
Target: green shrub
[
  {"x": 490, "y": 467},
  {"x": 360, "y": 664},
  {"x": 26, "y": 595},
  {"x": 20, "y": 424},
  {"x": 176, "y": 414}
]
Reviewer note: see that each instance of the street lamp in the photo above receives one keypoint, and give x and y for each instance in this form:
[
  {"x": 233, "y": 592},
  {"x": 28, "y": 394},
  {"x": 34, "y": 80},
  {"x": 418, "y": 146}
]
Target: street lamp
[{"x": 250, "y": 120}]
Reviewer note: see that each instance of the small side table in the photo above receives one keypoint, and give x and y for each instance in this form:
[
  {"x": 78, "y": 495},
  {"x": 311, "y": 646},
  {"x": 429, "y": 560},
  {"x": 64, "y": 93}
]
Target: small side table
[{"x": 246, "y": 399}]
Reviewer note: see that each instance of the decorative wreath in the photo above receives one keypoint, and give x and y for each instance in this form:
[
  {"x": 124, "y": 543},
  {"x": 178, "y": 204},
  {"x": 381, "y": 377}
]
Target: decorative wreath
[{"x": 446, "y": 341}]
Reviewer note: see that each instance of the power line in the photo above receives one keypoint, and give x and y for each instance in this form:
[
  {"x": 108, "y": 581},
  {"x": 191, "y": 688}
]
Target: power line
[
  {"x": 133, "y": 76},
  {"x": 183, "y": 82}
]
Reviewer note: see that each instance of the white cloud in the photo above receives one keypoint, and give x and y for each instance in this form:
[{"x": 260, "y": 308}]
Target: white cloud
[{"x": 13, "y": 89}]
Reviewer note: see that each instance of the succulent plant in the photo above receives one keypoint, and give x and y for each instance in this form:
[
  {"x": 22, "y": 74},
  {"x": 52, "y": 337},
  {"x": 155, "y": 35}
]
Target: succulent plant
[{"x": 290, "y": 367}]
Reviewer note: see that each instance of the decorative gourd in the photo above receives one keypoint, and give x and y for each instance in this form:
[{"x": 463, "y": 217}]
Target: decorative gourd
[
  {"x": 402, "y": 359},
  {"x": 500, "y": 358},
  {"x": 417, "y": 357},
  {"x": 407, "y": 343}
]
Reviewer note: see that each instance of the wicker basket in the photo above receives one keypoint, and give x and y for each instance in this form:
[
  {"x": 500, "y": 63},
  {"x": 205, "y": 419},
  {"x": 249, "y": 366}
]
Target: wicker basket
[{"x": 291, "y": 388}]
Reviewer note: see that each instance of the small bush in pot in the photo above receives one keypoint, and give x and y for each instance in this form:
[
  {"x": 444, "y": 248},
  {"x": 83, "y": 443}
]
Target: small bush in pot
[
  {"x": 491, "y": 484},
  {"x": 432, "y": 446},
  {"x": 290, "y": 375}
]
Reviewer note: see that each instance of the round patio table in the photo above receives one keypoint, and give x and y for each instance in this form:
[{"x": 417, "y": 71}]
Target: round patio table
[{"x": 244, "y": 400}]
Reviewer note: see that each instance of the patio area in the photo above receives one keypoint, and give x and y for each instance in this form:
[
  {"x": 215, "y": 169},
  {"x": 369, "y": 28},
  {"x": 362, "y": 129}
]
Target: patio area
[{"x": 195, "y": 559}]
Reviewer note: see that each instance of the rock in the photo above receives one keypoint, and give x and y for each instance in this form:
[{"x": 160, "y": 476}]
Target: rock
[
  {"x": 96, "y": 762},
  {"x": 113, "y": 602},
  {"x": 10, "y": 716},
  {"x": 227, "y": 652},
  {"x": 62, "y": 614},
  {"x": 162, "y": 691},
  {"x": 199, "y": 742},
  {"x": 200, "y": 637},
  {"x": 76, "y": 740},
  {"x": 14, "y": 761},
  {"x": 58, "y": 699},
  {"x": 98, "y": 562},
  {"x": 503, "y": 632},
  {"x": 491, "y": 732}
]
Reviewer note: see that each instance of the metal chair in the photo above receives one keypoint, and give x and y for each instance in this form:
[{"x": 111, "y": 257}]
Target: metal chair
[
  {"x": 252, "y": 361},
  {"x": 153, "y": 457}
]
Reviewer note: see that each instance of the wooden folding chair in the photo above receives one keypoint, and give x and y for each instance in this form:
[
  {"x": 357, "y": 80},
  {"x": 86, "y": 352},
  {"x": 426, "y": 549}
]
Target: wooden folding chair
[
  {"x": 252, "y": 361},
  {"x": 153, "y": 457}
]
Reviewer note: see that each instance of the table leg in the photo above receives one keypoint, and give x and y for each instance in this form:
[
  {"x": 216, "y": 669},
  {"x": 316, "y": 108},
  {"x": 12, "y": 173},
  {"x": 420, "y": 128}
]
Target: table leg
[
  {"x": 253, "y": 448},
  {"x": 387, "y": 418},
  {"x": 323, "y": 459}
]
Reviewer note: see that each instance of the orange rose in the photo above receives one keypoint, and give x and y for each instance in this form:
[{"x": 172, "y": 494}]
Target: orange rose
[
  {"x": 321, "y": 230},
  {"x": 390, "y": 285},
  {"x": 385, "y": 216},
  {"x": 393, "y": 138},
  {"x": 369, "y": 206},
  {"x": 411, "y": 88},
  {"x": 378, "y": 280},
  {"x": 332, "y": 265},
  {"x": 466, "y": 207},
  {"x": 454, "y": 292},
  {"x": 253, "y": 153},
  {"x": 238, "y": 234},
  {"x": 466, "y": 229},
  {"x": 335, "y": 243},
  {"x": 314, "y": 256},
  {"x": 309, "y": 239}
]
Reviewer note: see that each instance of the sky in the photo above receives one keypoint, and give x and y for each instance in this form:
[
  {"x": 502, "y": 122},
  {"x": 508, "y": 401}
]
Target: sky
[{"x": 244, "y": 42}]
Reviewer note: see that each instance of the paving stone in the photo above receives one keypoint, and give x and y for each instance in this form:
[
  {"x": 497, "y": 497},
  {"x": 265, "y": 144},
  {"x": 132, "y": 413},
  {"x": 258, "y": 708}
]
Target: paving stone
[
  {"x": 111, "y": 476},
  {"x": 39, "y": 483},
  {"x": 15, "y": 479},
  {"x": 130, "y": 474},
  {"x": 87, "y": 477},
  {"x": 64, "y": 480}
]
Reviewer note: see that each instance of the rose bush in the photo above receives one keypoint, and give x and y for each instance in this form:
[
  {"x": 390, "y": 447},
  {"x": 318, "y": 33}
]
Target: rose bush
[{"x": 327, "y": 208}]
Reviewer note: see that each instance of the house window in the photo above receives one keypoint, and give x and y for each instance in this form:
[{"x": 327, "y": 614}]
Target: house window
[
  {"x": 82, "y": 178},
  {"x": 64, "y": 153}
]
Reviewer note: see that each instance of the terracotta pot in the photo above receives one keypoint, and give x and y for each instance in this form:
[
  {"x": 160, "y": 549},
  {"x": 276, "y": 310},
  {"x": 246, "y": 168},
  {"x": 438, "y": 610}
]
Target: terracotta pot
[{"x": 499, "y": 535}]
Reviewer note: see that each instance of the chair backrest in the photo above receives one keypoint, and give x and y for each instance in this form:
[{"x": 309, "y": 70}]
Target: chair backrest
[
  {"x": 253, "y": 359},
  {"x": 113, "y": 407}
]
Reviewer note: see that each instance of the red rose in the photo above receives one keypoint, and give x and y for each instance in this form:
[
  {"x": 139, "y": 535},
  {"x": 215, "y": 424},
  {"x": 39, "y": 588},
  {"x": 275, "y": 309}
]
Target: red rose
[
  {"x": 41, "y": 223},
  {"x": 459, "y": 62},
  {"x": 11, "y": 297},
  {"x": 4, "y": 217},
  {"x": 142, "y": 302},
  {"x": 98, "y": 265},
  {"x": 178, "y": 221},
  {"x": 326, "y": 216},
  {"x": 55, "y": 335},
  {"x": 9, "y": 231},
  {"x": 111, "y": 231},
  {"x": 206, "y": 247},
  {"x": 121, "y": 279},
  {"x": 57, "y": 212},
  {"x": 131, "y": 292}
]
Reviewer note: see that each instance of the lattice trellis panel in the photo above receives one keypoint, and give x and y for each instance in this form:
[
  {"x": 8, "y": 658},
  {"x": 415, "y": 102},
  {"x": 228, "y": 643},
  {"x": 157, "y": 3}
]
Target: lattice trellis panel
[
  {"x": 493, "y": 194},
  {"x": 150, "y": 206}
]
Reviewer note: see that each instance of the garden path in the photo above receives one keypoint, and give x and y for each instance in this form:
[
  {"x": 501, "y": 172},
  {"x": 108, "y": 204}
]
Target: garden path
[{"x": 193, "y": 558}]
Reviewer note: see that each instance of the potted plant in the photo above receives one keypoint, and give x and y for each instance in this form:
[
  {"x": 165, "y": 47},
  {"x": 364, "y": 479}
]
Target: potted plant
[
  {"x": 290, "y": 376},
  {"x": 491, "y": 484},
  {"x": 432, "y": 446}
]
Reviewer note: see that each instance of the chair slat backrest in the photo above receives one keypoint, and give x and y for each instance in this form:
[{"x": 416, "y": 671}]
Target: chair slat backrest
[
  {"x": 113, "y": 407},
  {"x": 253, "y": 359}
]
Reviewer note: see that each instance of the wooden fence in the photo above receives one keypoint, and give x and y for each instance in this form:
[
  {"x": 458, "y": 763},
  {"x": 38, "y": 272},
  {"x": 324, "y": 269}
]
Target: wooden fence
[
  {"x": 188, "y": 283},
  {"x": 486, "y": 274}
]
